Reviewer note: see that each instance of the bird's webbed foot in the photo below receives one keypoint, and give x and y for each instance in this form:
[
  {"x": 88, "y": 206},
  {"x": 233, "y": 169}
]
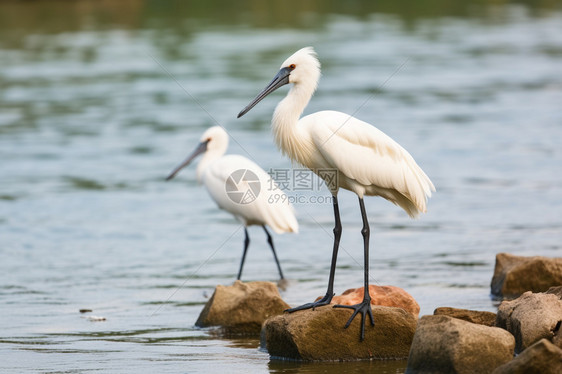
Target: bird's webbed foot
[
  {"x": 323, "y": 301},
  {"x": 364, "y": 308}
]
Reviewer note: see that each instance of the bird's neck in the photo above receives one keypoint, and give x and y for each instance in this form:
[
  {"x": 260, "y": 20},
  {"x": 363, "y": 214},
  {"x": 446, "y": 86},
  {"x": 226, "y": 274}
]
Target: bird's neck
[
  {"x": 208, "y": 158},
  {"x": 285, "y": 120}
]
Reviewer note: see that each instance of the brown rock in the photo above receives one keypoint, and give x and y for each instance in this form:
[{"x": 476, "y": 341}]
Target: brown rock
[
  {"x": 514, "y": 275},
  {"x": 540, "y": 358},
  {"x": 473, "y": 316},
  {"x": 530, "y": 318},
  {"x": 242, "y": 308},
  {"x": 319, "y": 335},
  {"x": 380, "y": 295},
  {"x": 443, "y": 344},
  {"x": 555, "y": 291},
  {"x": 557, "y": 338}
]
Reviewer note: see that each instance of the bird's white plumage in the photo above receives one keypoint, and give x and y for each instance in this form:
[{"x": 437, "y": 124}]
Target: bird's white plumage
[
  {"x": 271, "y": 207},
  {"x": 386, "y": 169},
  {"x": 367, "y": 160}
]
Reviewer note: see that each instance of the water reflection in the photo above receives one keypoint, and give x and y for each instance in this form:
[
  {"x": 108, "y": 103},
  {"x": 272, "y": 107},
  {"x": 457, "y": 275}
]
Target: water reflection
[
  {"x": 18, "y": 18},
  {"x": 378, "y": 367}
]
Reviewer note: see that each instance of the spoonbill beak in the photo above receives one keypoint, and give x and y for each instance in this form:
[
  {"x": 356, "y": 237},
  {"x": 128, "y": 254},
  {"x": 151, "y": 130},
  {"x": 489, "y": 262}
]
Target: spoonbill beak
[
  {"x": 201, "y": 148},
  {"x": 281, "y": 79}
]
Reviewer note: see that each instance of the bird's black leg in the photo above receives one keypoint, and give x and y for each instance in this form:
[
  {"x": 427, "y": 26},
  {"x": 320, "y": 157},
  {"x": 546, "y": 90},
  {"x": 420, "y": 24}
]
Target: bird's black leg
[
  {"x": 330, "y": 292},
  {"x": 246, "y": 244},
  {"x": 365, "y": 306},
  {"x": 270, "y": 241}
]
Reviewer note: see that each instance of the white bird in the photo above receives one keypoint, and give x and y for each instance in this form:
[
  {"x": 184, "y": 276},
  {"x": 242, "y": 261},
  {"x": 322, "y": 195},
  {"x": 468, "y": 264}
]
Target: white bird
[
  {"x": 242, "y": 188},
  {"x": 366, "y": 161}
]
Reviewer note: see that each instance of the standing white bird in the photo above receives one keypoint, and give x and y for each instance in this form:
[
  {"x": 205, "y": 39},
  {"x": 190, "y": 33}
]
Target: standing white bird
[
  {"x": 367, "y": 161},
  {"x": 242, "y": 188}
]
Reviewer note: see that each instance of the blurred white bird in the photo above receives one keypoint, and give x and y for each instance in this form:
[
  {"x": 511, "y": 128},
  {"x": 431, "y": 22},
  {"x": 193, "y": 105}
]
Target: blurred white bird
[
  {"x": 366, "y": 161},
  {"x": 242, "y": 188}
]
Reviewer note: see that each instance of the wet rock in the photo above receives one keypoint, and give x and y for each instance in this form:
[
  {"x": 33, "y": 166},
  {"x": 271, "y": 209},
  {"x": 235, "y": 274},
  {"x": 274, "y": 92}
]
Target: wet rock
[
  {"x": 530, "y": 318},
  {"x": 319, "y": 335},
  {"x": 443, "y": 344},
  {"x": 514, "y": 275},
  {"x": 242, "y": 308},
  {"x": 474, "y": 316},
  {"x": 541, "y": 358},
  {"x": 96, "y": 318},
  {"x": 380, "y": 295}
]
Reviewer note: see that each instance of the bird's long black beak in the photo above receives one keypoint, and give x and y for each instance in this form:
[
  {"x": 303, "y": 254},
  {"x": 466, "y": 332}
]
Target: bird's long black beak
[
  {"x": 201, "y": 148},
  {"x": 281, "y": 79}
]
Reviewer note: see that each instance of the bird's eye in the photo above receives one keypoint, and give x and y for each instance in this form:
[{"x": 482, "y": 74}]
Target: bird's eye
[{"x": 292, "y": 66}]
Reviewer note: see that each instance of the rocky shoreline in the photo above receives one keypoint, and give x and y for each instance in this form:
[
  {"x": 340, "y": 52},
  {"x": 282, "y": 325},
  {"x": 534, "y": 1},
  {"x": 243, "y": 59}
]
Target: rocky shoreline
[{"x": 525, "y": 336}]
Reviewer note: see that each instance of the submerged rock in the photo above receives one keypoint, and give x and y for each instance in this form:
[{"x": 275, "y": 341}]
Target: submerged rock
[
  {"x": 95, "y": 318},
  {"x": 242, "y": 308},
  {"x": 514, "y": 275},
  {"x": 474, "y": 316},
  {"x": 531, "y": 317},
  {"x": 541, "y": 358},
  {"x": 443, "y": 344},
  {"x": 319, "y": 335},
  {"x": 380, "y": 295}
]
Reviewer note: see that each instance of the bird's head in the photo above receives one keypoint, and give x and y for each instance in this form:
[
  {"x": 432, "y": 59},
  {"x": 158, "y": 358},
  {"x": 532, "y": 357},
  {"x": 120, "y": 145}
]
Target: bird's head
[
  {"x": 213, "y": 140},
  {"x": 216, "y": 139},
  {"x": 302, "y": 68}
]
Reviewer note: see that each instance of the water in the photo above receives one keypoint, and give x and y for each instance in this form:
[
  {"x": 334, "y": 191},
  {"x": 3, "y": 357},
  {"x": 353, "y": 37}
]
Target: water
[{"x": 91, "y": 123}]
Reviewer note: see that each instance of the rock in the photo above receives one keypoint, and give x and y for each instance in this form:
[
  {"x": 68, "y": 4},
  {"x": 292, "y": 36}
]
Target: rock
[
  {"x": 474, "y": 316},
  {"x": 319, "y": 335},
  {"x": 242, "y": 308},
  {"x": 95, "y": 318},
  {"x": 557, "y": 338},
  {"x": 443, "y": 344},
  {"x": 555, "y": 291},
  {"x": 540, "y": 358},
  {"x": 514, "y": 275},
  {"x": 380, "y": 295},
  {"x": 530, "y": 318}
]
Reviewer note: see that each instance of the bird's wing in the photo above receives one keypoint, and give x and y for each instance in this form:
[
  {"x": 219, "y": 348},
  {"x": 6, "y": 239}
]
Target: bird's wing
[
  {"x": 367, "y": 155},
  {"x": 244, "y": 189}
]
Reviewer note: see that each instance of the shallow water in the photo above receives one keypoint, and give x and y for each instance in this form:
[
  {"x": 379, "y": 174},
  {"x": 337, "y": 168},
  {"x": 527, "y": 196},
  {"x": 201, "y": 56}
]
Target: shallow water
[{"x": 92, "y": 118}]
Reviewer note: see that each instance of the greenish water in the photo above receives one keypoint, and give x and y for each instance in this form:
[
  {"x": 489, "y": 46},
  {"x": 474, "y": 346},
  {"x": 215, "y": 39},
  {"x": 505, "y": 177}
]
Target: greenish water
[{"x": 91, "y": 123}]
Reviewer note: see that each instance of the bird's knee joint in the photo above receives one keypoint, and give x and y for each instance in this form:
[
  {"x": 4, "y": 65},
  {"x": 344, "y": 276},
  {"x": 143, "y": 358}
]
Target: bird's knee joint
[{"x": 365, "y": 231}]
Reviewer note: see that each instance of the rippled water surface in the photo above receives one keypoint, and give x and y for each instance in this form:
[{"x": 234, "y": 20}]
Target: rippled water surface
[{"x": 99, "y": 100}]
